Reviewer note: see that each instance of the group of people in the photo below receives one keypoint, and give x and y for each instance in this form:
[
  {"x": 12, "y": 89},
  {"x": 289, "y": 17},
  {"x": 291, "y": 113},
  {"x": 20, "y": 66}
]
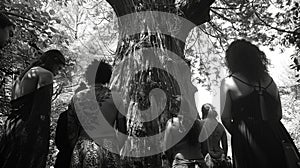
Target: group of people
[
  {"x": 204, "y": 145},
  {"x": 250, "y": 111}
]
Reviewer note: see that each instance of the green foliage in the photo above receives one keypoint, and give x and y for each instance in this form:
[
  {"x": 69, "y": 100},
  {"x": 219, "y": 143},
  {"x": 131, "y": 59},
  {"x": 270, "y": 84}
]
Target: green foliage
[
  {"x": 34, "y": 33},
  {"x": 87, "y": 29},
  {"x": 270, "y": 23},
  {"x": 291, "y": 105}
]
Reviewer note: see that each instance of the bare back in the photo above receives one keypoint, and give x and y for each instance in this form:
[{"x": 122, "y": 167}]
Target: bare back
[
  {"x": 238, "y": 88},
  {"x": 186, "y": 149},
  {"x": 33, "y": 79}
]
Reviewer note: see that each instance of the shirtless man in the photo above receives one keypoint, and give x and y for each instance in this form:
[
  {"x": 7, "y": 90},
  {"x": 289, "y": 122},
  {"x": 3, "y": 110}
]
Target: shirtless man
[
  {"x": 25, "y": 142},
  {"x": 6, "y": 30}
]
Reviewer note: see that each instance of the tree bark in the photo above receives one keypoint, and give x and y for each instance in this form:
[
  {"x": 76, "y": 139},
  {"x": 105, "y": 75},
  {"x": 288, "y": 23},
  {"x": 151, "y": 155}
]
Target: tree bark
[{"x": 136, "y": 35}]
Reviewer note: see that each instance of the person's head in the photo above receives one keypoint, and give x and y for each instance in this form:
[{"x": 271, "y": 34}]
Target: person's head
[
  {"x": 98, "y": 72},
  {"x": 208, "y": 111},
  {"x": 52, "y": 60},
  {"x": 6, "y": 29},
  {"x": 247, "y": 59}
]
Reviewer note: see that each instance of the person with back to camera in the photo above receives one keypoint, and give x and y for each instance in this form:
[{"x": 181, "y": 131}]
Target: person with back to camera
[
  {"x": 188, "y": 151},
  {"x": 25, "y": 142},
  {"x": 251, "y": 111},
  {"x": 63, "y": 157},
  {"x": 216, "y": 154}
]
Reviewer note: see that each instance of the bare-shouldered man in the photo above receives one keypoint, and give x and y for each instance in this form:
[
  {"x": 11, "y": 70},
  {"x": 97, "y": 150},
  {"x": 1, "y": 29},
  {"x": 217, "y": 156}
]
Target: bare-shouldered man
[
  {"x": 25, "y": 142},
  {"x": 32, "y": 80}
]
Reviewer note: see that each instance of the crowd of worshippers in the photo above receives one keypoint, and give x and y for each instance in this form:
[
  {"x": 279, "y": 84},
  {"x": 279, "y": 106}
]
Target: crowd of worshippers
[{"x": 250, "y": 107}]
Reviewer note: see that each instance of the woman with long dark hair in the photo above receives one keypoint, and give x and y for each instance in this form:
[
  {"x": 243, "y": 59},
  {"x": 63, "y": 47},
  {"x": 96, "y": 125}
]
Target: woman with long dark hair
[
  {"x": 251, "y": 110},
  {"x": 25, "y": 142}
]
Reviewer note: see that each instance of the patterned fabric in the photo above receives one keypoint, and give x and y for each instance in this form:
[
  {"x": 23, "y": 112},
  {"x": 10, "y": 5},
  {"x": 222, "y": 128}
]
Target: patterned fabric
[
  {"x": 87, "y": 154},
  {"x": 92, "y": 115},
  {"x": 217, "y": 163},
  {"x": 25, "y": 142},
  {"x": 86, "y": 113}
]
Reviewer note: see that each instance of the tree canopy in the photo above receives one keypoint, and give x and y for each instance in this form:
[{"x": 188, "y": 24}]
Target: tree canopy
[{"x": 88, "y": 29}]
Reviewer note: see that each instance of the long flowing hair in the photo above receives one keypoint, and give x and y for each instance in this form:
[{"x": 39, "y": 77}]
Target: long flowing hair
[{"x": 245, "y": 58}]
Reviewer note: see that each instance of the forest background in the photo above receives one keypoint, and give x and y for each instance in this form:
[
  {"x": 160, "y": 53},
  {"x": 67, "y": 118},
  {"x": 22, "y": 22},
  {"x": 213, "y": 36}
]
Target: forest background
[{"x": 87, "y": 29}]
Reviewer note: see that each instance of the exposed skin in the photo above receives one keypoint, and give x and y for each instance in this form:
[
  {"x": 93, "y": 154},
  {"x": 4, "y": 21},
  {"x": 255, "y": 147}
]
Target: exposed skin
[
  {"x": 5, "y": 34},
  {"x": 183, "y": 148},
  {"x": 34, "y": 79},
  {"x": 235, "y": 89}
]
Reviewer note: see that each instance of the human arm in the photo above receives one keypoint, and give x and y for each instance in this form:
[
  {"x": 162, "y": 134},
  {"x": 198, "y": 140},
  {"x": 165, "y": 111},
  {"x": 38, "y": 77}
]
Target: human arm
[
  {"x": 272, "y": 105},
  {"x": 203, "y": 138},
  {"x": 167, "y": 141},
  {"x": 121, "y": 129},
  {"x": 225, "y": 101},
  {"x": 45, "y": 77},
  {"x": 73, "y": 125},
  {"x": 224, "y": 142}
]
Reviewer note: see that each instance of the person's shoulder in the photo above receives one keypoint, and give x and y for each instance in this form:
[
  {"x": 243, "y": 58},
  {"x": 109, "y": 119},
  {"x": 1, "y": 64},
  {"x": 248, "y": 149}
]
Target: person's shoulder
[
  {"x": 267, "y": 80},
  {"x": 227, "y": 83},
  {"x": 41, "y": 72},
  {"x": 44, "y": 76}
]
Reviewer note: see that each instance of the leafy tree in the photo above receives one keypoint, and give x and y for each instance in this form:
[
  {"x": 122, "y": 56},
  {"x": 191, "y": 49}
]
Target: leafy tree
[
  {"x": 34, "y": 34},
  {"x": 88, "y": 29},
  {"x": 266, "y": 22}
]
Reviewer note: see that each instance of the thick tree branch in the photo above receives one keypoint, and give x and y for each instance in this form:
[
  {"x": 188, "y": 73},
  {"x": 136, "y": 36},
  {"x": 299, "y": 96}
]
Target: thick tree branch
[
  {"x": 21, "y": 16},
  {"x": 275, "y": 28},
  {"x": 197, "y": 11}
]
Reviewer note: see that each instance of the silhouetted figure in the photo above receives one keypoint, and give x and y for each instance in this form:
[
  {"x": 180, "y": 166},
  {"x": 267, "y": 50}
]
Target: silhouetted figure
[
  {"x": 62, "y": 142},
  {"x": 188, "y": 151},
  {"x": 252, "y": 110},
  {"x": 216, "y": 155},
  {"x": 25, "y": 141},
  {"x": 92, "y": 125}
]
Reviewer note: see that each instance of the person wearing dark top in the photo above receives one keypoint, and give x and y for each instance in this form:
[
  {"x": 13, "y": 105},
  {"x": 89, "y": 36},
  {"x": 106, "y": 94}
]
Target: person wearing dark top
[
  {"x": 251, "y": 110},
  {"x": 187, "y": 149},
  {"x": 62, "y": 142},
  {"x": 25, "y": 142},
  {"x": 217, "y": 135}
]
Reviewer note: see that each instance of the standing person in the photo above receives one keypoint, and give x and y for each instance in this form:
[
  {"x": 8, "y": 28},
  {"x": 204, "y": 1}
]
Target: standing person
[
  {"x": 217, "y": 136},
  {"x": 95, "y": 143},
  {"x": 6, "y": 29},
  {"x": 187, "y": 152},
  {"x": 25, "y": 141},
  {"x": 252, "y": 110},
  {"x": 62, "y": 142}
]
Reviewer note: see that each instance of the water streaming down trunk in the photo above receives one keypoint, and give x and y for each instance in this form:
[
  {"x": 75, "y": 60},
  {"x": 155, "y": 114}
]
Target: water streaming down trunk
[{"x": 150, "y": 31}]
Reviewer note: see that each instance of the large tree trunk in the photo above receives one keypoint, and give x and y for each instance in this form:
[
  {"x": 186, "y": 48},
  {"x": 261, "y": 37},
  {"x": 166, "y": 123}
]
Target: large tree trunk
[{"x": 143, "y": 62}]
